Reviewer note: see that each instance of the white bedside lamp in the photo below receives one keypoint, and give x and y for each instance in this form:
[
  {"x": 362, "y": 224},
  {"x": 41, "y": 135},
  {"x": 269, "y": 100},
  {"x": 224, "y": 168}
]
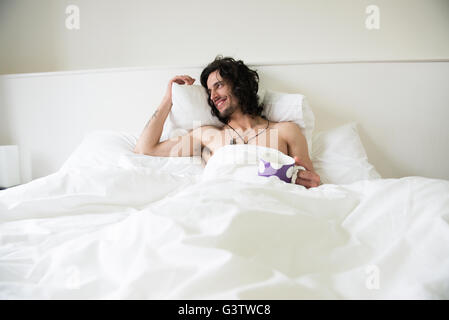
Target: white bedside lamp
[{"x": 9, "y": 166}]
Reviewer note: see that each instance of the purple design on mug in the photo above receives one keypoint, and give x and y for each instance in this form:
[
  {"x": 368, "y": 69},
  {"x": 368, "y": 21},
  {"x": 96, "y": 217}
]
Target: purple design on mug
[
  {"x": 279, "y": 165},
  {"x": 284, "y": 173}
]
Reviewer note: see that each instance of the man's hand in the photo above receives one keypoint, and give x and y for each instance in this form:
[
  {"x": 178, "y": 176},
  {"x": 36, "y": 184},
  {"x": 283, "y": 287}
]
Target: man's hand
[
  {"x": 184, "y": 79},
  {"x": 308, "y": 179}
]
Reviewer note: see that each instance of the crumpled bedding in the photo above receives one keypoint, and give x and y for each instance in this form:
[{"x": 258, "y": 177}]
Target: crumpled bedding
[{"x": 112, "y": 232}]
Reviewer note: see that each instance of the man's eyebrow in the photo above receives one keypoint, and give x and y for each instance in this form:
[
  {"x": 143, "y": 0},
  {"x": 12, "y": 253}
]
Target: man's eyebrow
[{"x": 218, "y": 82}]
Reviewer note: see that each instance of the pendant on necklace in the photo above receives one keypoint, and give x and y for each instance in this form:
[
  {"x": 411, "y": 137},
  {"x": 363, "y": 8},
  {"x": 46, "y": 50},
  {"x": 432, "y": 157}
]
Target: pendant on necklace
[{"x": 245, "y": 141}]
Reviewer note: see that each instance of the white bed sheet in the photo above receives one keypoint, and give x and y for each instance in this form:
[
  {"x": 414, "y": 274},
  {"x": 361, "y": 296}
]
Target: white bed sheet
[{"x": 130, "y": 232}]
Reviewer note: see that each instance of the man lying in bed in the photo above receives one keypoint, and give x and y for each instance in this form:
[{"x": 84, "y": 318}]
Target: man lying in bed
[{"x": 232, "y": 88}]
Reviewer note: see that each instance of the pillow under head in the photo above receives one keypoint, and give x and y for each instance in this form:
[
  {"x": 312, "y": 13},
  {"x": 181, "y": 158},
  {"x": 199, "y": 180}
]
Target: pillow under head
[{"x": 190, "y": 110}]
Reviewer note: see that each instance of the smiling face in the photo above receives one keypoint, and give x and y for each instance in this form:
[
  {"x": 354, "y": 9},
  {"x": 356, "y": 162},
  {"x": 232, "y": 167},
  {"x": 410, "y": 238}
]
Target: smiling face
[{"x": 220, "y": 93}]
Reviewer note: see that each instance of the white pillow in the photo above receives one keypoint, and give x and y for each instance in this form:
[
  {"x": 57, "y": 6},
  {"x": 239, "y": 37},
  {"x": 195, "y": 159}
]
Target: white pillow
[
  {"x": 190, "y": 110},
  {"x": 293, "y": 107},
  {"x": 339, "y": 156},
  {"x": 106, "y": 148}
]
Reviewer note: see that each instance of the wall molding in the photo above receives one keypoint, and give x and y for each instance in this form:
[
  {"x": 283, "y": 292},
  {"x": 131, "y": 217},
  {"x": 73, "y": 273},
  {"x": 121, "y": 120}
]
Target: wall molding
[{"x": 195, "y": 66}]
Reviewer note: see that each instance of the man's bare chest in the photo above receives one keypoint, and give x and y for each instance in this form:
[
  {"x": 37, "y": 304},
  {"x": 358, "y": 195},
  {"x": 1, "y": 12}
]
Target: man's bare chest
[{"x": 269, "y": 139}]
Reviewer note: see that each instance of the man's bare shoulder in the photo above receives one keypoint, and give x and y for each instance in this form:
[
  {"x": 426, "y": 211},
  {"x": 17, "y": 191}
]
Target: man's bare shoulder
[
  {"x": 207, "y": 132},
  {"x": 208, "y": 127},
  {"x": 287, "y": 129},
  {"x": 212, "y": 127},
  {"x": 283, "y": 125}
]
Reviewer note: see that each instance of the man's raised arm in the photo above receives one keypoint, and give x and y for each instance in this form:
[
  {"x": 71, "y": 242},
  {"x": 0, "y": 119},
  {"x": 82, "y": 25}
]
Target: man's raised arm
[{"x": 148, "y": 142}]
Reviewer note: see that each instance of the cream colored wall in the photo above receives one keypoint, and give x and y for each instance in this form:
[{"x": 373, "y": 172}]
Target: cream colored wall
[{"x": 128, "y": 33}]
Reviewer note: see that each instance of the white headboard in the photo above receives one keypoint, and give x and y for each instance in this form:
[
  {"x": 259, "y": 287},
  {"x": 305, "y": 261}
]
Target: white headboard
[{"x": 401, "y": 108}]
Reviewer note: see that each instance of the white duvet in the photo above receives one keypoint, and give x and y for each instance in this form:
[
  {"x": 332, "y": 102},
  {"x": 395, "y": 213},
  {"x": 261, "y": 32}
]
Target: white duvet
[{"x": 133, "y": 232}]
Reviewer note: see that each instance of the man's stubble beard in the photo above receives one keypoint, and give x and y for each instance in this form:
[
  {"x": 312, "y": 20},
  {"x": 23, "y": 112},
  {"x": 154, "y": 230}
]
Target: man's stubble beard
[{"x": 229, "y": 110}]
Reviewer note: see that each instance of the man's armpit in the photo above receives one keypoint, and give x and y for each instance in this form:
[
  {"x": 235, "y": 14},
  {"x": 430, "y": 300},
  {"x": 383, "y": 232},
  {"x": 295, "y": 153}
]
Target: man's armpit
[{"x": 205, "y": 154}]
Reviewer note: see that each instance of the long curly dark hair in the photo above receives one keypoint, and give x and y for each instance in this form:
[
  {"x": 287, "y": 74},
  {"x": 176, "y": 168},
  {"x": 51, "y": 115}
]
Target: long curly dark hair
[{"x": 244, "y": 83}]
